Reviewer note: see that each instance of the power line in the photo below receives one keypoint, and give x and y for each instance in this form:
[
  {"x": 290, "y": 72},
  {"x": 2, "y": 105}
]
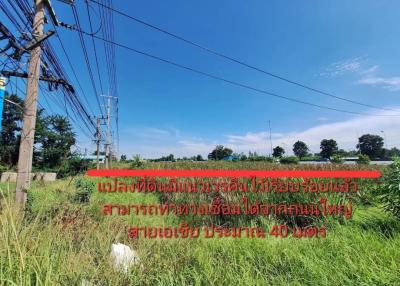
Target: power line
[
  {"x": 56, "y": 100},
  {"x": 86, "y": 57},
  {"x": 77, "y": 108},
  {"x": 107, "y": 28},
  {"x": 94, "y": 46},
  {"x": 238, "y": 61},
  {"x": 234, "y": 82},
  {"x": 73, "y": 70}
]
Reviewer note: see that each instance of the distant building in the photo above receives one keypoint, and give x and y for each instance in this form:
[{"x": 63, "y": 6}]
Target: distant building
[
  {"x": 93, "y": 158},
  {"x": 350, "y": 159},
  {"x": 231, "y": 158}
]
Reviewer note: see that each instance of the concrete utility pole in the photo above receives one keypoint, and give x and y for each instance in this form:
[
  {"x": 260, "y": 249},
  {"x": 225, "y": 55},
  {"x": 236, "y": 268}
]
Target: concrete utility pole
[
  {"x": 270, "y": 137},
  {"x": 108, "y": 132},
  {"x": 98, "y": 140},
  {"x": 108, "y": 159},
  {"x": 30, "y": 109}
]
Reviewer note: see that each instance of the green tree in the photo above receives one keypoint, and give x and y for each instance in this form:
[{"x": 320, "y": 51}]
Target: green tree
[
  {"x": 337, "y": 159},
  {"x": 300, "y": 149},
  {"x": 123, "y": 158},
  {"x": 10, "y": 131},
  {"x": 219, "y": 153},
  {"x": 289, "y": 160},
  {"x": 56, "y": 141},
  {"x": 40, "y": 133},
  {"x": 363, "y": 159},
  {"x": 199, "y": 158},
  {"x": 370, "y": 145},
  {"x": 328, "y": 148},
  {"x": 73, "y": 166},
  {"x": 53, "y": 136},
  {"x": 342, "y": 153},
  {"x": 390, "y": 153},
  {"x": 278, "y": 152},
  {"x": 170, "y": 158}
]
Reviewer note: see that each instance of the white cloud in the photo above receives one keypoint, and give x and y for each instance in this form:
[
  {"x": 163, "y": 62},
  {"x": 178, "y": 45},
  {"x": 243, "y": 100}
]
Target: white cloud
[
  {"x": 346, "y": 133},
  {"x": 370, "y": 70},
  {"x": 353, "y": 65},
  {"x": 367, "y": 74},
  {"x": 391, "y": 83}
]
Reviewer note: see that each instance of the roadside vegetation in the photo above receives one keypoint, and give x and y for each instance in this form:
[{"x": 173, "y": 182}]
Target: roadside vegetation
[{"x": 63, "y": 239}]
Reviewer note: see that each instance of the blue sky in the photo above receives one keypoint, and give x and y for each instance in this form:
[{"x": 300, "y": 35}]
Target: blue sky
[{"x": 348, "y": 48}]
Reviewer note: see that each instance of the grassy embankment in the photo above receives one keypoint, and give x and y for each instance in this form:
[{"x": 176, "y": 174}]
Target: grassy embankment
[{"x": 61, "y": 242}]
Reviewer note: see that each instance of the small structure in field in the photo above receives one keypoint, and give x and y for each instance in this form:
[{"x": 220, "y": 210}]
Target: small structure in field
[{"x": 123, "y": 257}]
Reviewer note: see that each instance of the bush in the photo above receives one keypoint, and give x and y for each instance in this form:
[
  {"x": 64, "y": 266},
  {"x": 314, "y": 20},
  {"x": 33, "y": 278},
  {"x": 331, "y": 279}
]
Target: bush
[
  {"x": 390, "y": 189},
  {"x": 337, "y": 159},
  {"x": 137, "y": 162},
  {"x": 84, "y": 187},
  {"x": 260, "y": 158},
  {"x": 289, "y": 160},
  {"x": 73, "y": 166},
  {"x": 3, "y": 169},
  {"x": 310, "y": 158},
  {"x": 363, "y": 159}
]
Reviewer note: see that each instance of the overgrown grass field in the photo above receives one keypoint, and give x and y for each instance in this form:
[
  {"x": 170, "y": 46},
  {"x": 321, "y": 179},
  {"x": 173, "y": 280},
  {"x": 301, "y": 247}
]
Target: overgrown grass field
[{"x": 60, "y": 241}]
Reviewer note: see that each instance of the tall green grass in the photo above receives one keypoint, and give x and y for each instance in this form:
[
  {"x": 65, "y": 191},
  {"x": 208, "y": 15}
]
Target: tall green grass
[{"x": 59, "y": 241}]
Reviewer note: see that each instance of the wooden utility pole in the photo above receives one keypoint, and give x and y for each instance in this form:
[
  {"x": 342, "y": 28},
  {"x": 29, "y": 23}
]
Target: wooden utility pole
[{"x": 30, "y": 110}]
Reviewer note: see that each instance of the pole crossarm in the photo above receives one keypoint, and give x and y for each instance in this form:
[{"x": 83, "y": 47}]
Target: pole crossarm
[
  {"x": 35, "y": 42},
  {"x": 50, "y": 79},
  {"x": 6, "y": 35},
  {"x": 19, "y": 50}
]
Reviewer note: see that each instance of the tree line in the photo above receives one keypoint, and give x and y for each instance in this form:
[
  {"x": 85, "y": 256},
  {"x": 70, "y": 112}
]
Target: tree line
[
  {"x": 53, "y": 139},
  {"x": 369, "y": 147}
]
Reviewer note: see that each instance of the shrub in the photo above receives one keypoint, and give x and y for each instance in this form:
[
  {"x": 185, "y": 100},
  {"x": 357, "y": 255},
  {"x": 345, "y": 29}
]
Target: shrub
[
  {"x": 73, "y": 166},
  {"x": 289, "y": 160},
  {"x": 337, "y": 159},
  {"x": 310, "y": 158},
  {"x": 390, "y": 189},
  {"x": 363, "y": 159},
  {"x": 260, "y": 158},
  {"x": 84, "y": 187},
  {"x": 3, "y": 169},
  {"x": 136, "y": 162},
  {"x": 243, "y": 157}
]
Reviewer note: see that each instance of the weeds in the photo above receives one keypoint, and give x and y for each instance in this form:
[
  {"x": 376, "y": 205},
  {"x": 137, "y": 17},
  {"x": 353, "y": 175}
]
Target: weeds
[
  {"x": 85, "y": 188},
  {"x": 390, "y": 189},
  {"x": 65, "y": 243}
]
